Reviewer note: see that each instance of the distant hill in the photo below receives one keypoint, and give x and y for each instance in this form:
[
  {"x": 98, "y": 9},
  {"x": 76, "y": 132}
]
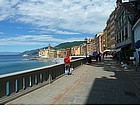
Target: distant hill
[
  {"x": 68, "y": 45},
  {"x": 33, "y": 52},
  {"x": 60, "y": 46}
]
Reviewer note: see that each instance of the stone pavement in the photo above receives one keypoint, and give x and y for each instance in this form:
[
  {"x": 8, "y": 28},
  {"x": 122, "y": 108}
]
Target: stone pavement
[{"x": 97, "y": 83}]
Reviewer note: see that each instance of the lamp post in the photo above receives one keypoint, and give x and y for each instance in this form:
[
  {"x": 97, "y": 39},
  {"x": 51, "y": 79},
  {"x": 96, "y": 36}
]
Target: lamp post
[{"x": 86, "y": 45}]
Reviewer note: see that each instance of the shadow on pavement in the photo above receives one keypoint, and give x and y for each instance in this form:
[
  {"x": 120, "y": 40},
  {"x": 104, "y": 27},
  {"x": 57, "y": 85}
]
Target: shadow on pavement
[{"x": 119, "y": 88}]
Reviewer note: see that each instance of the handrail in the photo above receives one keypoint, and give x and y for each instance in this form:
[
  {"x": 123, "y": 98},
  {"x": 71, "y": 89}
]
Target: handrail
[{"x": 19, "y": 83}]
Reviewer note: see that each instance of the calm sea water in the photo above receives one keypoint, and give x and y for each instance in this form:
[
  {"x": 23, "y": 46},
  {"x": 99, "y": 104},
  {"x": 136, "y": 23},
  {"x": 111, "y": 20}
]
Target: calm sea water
[{"x": 15, "y": 63}]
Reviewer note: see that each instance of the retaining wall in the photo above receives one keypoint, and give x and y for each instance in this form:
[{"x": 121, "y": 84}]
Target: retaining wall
[{"x": 17, "y": 84}]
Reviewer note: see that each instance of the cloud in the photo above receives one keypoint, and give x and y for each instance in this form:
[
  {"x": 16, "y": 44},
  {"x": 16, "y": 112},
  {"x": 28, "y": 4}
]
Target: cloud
[
  {"x": 51, "y": 21},
  {"x": 37, "y": 40},
  {"x": 62, "y": 16},
  {"x": 53, "y": 31},
  {"x": 1, "y": 33}
]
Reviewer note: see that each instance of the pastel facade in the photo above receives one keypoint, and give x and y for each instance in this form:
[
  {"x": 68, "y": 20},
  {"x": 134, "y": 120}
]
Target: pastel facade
[
  {"x": 98, "y": 42},
  {"x": 112, "y": 30},
  {"x": 61, "y": 53},
  {"x": 48, "y": 53},
  {"x": 90, "y": 46},
  {"x": 104, "y": 39}
]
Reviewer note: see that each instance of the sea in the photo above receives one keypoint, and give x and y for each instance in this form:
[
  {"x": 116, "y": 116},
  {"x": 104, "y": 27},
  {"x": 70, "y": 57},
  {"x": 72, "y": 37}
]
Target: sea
[{"x": 16, "y": 63}]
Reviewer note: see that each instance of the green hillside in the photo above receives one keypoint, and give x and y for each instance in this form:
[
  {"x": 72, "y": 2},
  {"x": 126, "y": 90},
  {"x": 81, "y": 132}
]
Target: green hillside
[
  {"x": 68, "y": 45},
  {"x": 60, "y": 46},
  {"x": 33, "y": 52}
]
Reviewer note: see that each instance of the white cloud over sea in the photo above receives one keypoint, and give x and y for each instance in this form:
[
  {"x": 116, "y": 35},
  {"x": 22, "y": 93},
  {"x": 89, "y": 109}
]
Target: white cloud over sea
[
  {"x": 33, "y": 40},
  {"x": 64, "y": 17}
]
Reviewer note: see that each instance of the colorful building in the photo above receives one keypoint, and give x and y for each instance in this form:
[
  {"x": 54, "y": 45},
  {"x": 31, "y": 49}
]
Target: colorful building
[
  {"x": 49, "y": 52},
  {"x": 112, "y": 31},
  {"x": 61, "y": 53},
  {"x": 98, "y": 42}
]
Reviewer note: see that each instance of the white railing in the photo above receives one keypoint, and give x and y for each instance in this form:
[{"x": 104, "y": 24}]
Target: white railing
[{"x": 17, "y": 84}]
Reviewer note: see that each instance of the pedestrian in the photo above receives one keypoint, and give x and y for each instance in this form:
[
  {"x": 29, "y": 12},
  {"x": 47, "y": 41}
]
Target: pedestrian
[
  {"x": 94, "y": 55},
  {"x": 90, "y": 59},
  {"x": 97, "y": 56},
  {"x": 67, "y": 65},
  {"x": 136, "y": 59}
]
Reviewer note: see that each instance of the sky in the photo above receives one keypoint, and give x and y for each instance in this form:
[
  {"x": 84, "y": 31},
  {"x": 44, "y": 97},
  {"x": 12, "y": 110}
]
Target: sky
[{"x": 33, "y": 24}]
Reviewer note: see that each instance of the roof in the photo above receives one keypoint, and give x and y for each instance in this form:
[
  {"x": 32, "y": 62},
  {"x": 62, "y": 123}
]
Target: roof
[{"x": 129, "y": 7}]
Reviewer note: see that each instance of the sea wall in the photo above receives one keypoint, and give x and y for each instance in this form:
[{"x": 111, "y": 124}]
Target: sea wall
[{"x": 17, "y": 84}]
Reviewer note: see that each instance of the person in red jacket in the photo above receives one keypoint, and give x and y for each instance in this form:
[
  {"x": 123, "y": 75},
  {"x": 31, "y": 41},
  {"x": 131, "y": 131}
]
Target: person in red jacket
[{"x": 67, "y": 64}]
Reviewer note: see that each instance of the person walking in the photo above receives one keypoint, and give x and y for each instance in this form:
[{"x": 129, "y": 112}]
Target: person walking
[
  {"x": 97, "y": 56},
  {"x": 67, "y": 65}
]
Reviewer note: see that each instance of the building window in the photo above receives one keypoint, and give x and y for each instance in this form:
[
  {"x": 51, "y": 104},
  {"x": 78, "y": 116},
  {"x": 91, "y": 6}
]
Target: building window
[
  {"x": 122, "y": 35},
  {"x": 122, "y": 18},
  {"x": 120, "y": 38},
  {"x": 120, "y": 22},
  {"x": 126, "y": 33},
  {"x": 117, "y": 38}
]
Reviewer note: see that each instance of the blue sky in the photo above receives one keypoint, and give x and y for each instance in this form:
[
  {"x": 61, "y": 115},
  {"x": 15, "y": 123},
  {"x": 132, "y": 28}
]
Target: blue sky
[{"x": 32, "y": 24}]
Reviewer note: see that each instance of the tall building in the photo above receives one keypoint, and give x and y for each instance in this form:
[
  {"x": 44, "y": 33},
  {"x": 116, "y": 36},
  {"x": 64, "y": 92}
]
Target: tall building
[
  {"x": 104, "y": 39},
  {"x": 126, "y": 17},
  {"x": 108, "y": 37},
  {"x": 108, "y": 33},
  {"x": 90, "y": 46},
  {"x": 83, "y": 49},
  {"x": 93, "y": 43},
  {"x": 98, "y": 42},
  {"x": 112, "y": 31}
]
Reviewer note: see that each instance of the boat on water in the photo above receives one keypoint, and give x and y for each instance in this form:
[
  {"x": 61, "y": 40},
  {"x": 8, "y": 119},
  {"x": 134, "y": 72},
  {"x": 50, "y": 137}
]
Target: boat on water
[{"x": 25, "y": 55}]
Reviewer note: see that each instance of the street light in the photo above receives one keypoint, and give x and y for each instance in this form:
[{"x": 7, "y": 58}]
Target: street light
[{"x": 86, "y": 45}]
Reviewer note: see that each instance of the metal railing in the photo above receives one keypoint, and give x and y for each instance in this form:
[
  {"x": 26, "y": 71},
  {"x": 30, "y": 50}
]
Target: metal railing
[{"x": 17, "y": 84}]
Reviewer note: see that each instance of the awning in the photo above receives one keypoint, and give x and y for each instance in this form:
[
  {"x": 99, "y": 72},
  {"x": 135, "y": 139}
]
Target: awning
[
  {"x": 123, "y": 46},
  {"x": 107, "y": 51},
  {"x": 137, "y": 44}
]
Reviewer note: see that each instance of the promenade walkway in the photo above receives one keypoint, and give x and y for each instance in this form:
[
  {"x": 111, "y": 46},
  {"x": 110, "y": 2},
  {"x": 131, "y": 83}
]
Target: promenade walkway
[{"x": 97, "y": 83}]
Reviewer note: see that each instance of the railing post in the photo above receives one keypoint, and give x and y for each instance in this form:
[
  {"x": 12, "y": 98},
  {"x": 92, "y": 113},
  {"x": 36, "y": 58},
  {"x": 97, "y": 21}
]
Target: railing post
[
  {"x": 24, "y": 83},
  {"x": 7, "y": 88},
  {"x": 50, "y": 78},
  {"x": 17, "y": 85},
  {"x": 30, "y": 81}
]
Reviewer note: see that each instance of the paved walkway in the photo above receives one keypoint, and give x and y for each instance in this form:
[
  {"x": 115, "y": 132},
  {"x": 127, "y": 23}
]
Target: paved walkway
[{"x": 97, "y": 83}]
